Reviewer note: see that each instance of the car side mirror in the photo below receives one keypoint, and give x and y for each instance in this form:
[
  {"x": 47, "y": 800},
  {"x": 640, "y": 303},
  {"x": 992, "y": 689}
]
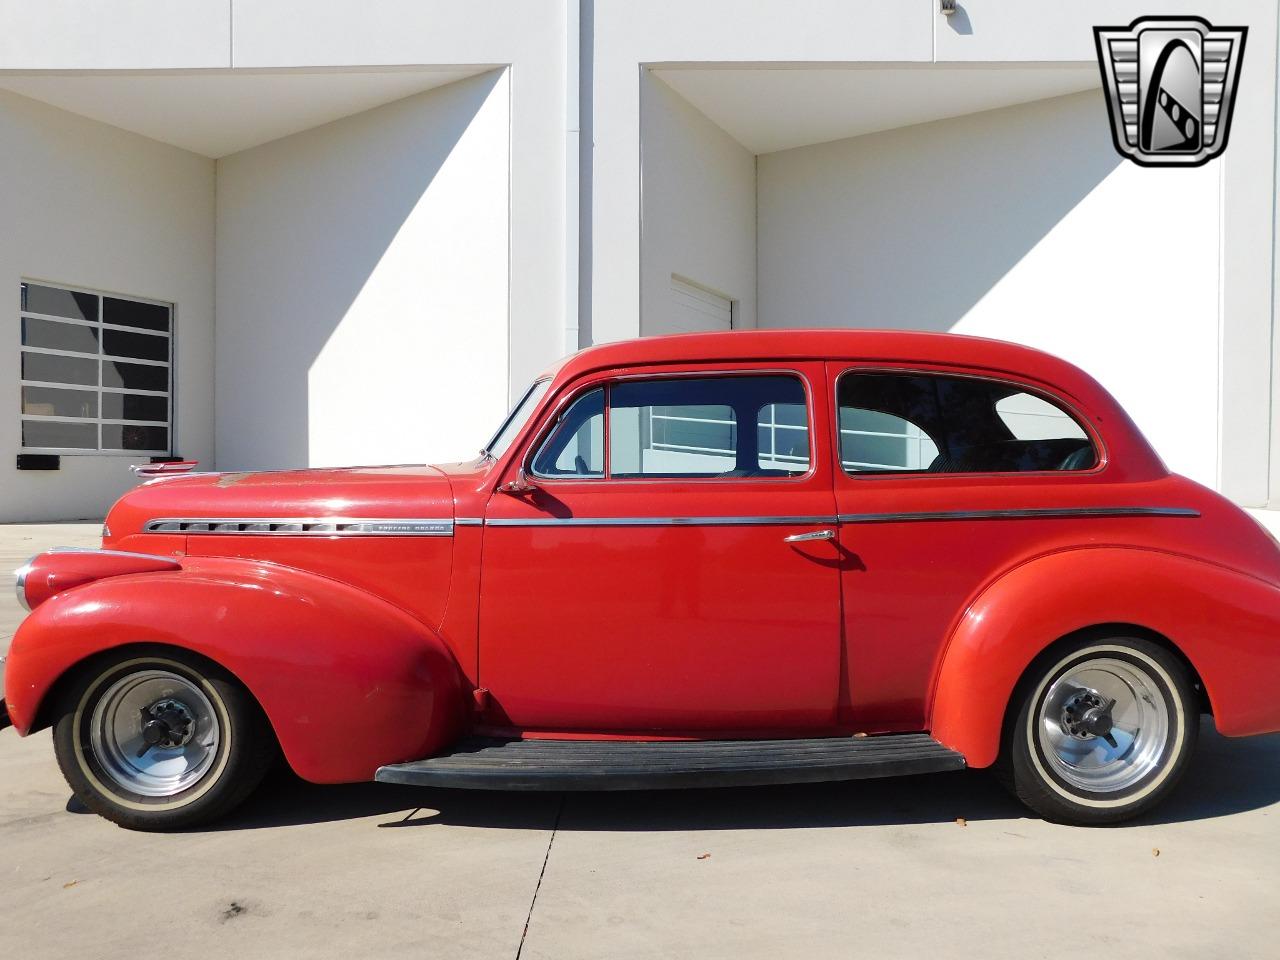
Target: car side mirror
[{"x": 520, "y": 486}]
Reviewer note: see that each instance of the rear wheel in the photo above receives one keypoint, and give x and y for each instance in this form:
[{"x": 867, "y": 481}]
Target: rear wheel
[
  {"x": 160, "y": 741},
  {"x": 1104, "y": 729}
]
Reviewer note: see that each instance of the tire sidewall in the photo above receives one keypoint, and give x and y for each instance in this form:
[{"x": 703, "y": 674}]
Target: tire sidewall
[{"x": 238, "y": 764}]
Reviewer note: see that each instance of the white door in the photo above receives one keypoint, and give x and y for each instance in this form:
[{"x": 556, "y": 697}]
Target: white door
[{"x": 695, "y": 309}]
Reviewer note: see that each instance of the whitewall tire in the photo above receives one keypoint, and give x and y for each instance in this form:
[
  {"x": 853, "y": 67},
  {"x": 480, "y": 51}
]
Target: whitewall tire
[
  {"x": 160, "y": 739},
  {"x": 1101, "y": 730}
]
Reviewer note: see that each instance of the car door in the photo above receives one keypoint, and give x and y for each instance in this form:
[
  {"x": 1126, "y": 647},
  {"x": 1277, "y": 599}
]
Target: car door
[
  {"x": 946, "y": 479},
  {"x": 651, "y": 580}
]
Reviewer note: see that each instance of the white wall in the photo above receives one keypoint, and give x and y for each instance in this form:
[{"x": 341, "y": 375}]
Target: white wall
[
  {"x": 629, "y": 35},
  {"x": 362, "y": 285},
  {"x": 1021, "y": 224},
  {"x": 698, "y": 203},
  {"x": 90, "y": 205},
  {"x": 527, "y": 35}
]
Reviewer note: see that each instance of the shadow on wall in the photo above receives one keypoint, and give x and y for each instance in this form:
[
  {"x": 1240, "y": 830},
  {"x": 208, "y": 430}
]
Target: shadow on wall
[
  {"x": 910, "y": 228},
  {"x": 303, "y": 223}
]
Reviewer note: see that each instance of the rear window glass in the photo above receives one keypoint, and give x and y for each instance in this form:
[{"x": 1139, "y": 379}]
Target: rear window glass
[{"x": 933, "y": 423}]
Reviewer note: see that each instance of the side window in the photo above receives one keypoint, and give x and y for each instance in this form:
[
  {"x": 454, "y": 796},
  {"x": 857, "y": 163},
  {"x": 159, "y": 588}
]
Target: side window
[
  {"x": 731, "y": 426},
  {"x": 782, "y": 431},
  {"x": 682, "y": 427},
  {"x": 927, "y": 423},
  {"x": 575, "y": 447},
  {"x": 1029, "y": 417},
  {"x": 873, "y": 441}
]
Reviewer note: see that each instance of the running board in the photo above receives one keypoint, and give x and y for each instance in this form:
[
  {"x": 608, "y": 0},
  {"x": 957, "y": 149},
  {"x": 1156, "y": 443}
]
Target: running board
[{"x": 486, "y": 764}]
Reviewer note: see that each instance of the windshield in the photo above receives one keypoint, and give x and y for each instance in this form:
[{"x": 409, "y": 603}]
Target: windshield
[{"x": 516, "y": 419}]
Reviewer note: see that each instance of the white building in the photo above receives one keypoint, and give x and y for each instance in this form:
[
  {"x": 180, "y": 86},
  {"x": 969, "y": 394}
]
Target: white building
[{"x": 374, "y": 222}]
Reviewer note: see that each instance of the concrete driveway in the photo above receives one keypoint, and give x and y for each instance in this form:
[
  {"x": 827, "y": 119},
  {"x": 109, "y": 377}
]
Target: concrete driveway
[{"x": 878, "y": 868}]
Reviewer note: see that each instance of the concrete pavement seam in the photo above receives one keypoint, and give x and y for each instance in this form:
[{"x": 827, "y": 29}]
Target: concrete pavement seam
[{"x": 555, "y": 828}]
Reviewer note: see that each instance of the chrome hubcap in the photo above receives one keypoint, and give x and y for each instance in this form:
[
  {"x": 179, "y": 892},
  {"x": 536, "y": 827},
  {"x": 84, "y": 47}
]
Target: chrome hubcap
[
  {"x": 154, "y": 733},
  {"x": 1104, "y": 725}
]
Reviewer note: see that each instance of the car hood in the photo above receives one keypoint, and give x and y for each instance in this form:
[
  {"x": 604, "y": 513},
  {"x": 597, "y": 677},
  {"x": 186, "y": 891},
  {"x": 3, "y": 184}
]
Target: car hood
[{"x": 351, "y": 493}]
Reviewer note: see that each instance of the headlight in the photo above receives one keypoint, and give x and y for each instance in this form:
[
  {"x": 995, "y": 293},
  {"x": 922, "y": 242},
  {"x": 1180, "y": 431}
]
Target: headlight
[{"x": 20, "y": 584}]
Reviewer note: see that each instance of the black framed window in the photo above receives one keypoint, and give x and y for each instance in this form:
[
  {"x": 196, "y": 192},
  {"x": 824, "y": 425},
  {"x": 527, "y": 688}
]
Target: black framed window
[
  {"x": 934, "y": 423},
  {"x": 704, "y": 427},
  {"x": 96, "y": 372}
]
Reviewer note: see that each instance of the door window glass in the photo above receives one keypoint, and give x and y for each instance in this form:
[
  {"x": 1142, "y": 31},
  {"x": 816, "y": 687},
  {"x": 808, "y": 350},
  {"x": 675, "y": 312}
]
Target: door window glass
[
  {"x": 575, "y": 447},
  {"x": 782, "y": 431},
  {"x": 733, "y": 426},
  {"x": 1029, "y": 417},
  {"x": 928, "y": 423}
]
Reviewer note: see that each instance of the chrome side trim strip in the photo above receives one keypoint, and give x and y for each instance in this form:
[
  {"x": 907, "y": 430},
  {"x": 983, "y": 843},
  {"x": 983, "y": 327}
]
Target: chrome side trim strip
[
  {"x": 109, "y": 553},
  {"x": 1038, "y": 513},
  {"x": 352, "y": 527},
  {"x": 655, "y": 521},
  {"x": 304, "y": 527}
]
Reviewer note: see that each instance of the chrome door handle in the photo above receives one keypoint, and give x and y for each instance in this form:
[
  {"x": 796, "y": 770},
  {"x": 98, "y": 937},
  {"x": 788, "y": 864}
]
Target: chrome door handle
[{"x": 806, "y": 537}]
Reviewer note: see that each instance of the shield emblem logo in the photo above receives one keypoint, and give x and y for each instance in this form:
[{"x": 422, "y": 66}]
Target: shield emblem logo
[{"x": 1170, "y": 84}]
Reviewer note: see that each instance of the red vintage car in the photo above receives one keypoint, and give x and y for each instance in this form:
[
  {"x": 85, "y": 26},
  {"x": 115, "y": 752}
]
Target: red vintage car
[{"x": 703, "y": 560}]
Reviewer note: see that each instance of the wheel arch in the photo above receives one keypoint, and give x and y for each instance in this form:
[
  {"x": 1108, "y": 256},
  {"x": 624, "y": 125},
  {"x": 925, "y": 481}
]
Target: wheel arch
[
  {"x": 46, "y": 712},
  {"x": 347, "y": 681},
  {"x": 1101, "y": 631},
  {"x": 1223, "y": 625}
]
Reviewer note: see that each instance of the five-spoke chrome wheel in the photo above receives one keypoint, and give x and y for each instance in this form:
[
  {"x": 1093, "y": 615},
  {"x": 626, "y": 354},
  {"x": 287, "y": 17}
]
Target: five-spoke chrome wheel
[
  {"x": 1104, "y": 727},
  {"x": 157, "y": 739}
]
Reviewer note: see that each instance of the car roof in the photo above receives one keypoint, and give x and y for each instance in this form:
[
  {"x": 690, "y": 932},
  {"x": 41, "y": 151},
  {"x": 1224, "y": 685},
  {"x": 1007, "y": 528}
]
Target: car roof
[
  {"x": 887, "y": 346},
  {"x": 1126, "y": 446}
]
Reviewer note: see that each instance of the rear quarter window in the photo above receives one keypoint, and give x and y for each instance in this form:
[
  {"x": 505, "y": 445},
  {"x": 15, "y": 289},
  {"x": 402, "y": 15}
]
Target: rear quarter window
[{"x": 935, "y": 423}]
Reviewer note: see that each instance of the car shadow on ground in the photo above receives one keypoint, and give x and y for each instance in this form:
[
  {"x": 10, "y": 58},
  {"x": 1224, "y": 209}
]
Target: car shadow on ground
[{"x": 1226, "y": 777}]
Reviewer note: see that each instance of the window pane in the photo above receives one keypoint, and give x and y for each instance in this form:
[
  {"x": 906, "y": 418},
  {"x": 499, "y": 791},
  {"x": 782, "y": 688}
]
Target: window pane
[
  {"x": 876, "y": 442},
  {"x": 783, "y": 432},
  {"x": 59, "y": 336},
  {"x": 49, "y": 402},
  {"x": 940, "y": 424},
  {"x": 59, "y": 303},
  {"x": 129, "y": 406},
  {"x": 681, "y": 427},
  {"x": 55, "y": 369},
  {"x": 52, "y": 433},
  {"x": 137, "y": 345},
  {"x": 117, "y": 436},
  {"x": 131, "y": 313},
  {"x": 1029, "y": 417},
  {"x": 576, "y": 447},
  {"x": 134, "y": 376}
]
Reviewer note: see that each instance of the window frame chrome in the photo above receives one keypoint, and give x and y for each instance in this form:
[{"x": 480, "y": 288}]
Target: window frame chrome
[{"x": 570, "y": 396}]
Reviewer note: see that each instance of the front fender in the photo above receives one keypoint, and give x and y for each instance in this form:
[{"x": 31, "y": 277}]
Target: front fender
[
  {"x": 347, "y": 681},
  {"x": 1227, "y": 624}
]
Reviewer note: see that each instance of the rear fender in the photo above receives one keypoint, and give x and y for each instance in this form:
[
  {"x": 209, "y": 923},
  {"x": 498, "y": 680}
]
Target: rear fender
[
  {"x": 348, "y": 682},
  {"x": 1226, "y": 624}
]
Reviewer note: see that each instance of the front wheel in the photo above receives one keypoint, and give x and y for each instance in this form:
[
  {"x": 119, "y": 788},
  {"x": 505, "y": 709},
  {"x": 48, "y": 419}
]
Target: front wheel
[
  {"x": 1104, "y": 728},
  {"x": 160, "y": 740}
]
